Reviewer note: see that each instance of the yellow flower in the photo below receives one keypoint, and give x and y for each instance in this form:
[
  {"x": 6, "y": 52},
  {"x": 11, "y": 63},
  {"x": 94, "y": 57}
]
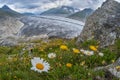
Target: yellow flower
[
  {"x": 82, "y": 63},
  {"x": 76, "y": 50},
  {"x": 41, "y": 49},
  {"x": 59, "y": 64},
  {"x": 118, "y": 68},
  {"x": 94, "y": 48},
  {"x": 0, "y": 64},
  {"x": 63, "y": 47},
  {"x": 103, "y": 62},
  {"x": 69, "y": 65},
  {"x": 112, "y": 61},
  {"x": 15, "y": 77},
  {"x": 14, "y": 59}
]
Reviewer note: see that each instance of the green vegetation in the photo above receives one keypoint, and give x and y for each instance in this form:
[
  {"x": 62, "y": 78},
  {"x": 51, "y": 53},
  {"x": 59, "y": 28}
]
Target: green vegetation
[{"x": 15, "y": 62}]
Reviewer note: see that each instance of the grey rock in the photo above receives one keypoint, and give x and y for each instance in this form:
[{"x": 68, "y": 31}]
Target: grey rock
[
  {"x": 111, "y": 68},
  {"x": 9, "y": 28},
  {"x": 103, "y": 25}
]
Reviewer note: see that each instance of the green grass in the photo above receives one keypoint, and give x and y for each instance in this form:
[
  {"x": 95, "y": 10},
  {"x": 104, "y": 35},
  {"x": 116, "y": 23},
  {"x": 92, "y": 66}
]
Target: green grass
[{"x": 14, "y": 66}]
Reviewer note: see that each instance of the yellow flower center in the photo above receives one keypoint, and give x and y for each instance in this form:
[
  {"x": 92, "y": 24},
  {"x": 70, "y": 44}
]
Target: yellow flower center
[
  {"x": 40, "y": 66},
  {"x": 69, "y": 65}
]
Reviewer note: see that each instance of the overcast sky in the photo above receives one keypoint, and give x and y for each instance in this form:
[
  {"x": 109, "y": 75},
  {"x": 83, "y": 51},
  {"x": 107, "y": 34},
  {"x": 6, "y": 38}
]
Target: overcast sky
[{"x": 37, "y": 6}]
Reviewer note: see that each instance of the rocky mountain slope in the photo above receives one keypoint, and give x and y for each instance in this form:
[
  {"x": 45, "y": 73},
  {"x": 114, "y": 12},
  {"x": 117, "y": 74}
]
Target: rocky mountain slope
[
  {"x": 23, "y": 28},
  {"x": 104, "y": 24},
  {"x": 81, "y": 15},
  {"x": 6, "y": 11},
  {"x": 62, "y": 11},
  {"x": 9, "y": 25}
]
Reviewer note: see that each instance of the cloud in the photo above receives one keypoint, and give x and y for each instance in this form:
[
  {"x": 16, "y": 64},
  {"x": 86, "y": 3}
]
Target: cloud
[
  {"x": 87, "y": 3},
  {"x": 37, "y": 6}
]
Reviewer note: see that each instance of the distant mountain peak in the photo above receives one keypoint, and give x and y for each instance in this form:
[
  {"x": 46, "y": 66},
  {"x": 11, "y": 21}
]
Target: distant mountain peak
[
  {"x": 82, "y": 15},
  {"x": 6, "y": 7},
  {"x": 62, "y": 11},
  {"x": 87, "y": 9},
  {"x": 5, "y": 10}
]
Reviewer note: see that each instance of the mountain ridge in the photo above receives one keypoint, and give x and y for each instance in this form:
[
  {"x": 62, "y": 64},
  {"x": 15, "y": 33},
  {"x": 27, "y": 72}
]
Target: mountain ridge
[
  {"x": 6, "y": 11},
  {"x": 62, "y": 11},
  {"x": 81, "y": 15}
]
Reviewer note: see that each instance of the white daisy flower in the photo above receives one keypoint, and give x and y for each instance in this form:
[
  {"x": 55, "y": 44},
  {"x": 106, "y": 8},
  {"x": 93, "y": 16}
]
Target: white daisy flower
[
  {"x": 39, "y": 65},
  {"x": 82, "y": 50},
  {"x": 89, "y": 53},
  {"x": 100, "y": 54},
  {"x": 51, "y": 55}
]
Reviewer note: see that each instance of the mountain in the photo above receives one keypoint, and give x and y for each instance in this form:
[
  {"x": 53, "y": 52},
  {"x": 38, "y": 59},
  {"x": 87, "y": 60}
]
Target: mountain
[
  {"x": 28, "y": 14},
  {"x": 15, "y": 28},
  {"x": 103, "y": 25},
  {"x": 60, "y": 11},
  {"x": 26, "y": 28},
  {"x": 6, "y": 8},
  {"x": 81, "y": 15},
  {"x": 9, "y": 25},
  {"x": 6, "y": 11}
]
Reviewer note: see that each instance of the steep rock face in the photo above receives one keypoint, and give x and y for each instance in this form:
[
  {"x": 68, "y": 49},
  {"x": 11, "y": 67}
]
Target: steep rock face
[
  {"x": 9, "y": 27},
  {"x": 81, "y": 15},
  {"x": 104, "y": 24}
]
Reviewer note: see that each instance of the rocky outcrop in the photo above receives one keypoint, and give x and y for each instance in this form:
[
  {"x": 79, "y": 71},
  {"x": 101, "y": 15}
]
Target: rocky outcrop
[
  {"x": 111, "y": 69},
  {"x": 104, "y": 24},
  {"x": 9, "y": 28}
]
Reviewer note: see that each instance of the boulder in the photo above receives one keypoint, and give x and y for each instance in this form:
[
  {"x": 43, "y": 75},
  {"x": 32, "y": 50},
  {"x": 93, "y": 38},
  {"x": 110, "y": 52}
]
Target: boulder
[
  {"x": 111, "y": 69},
  {"x": 103, "y": 25}
]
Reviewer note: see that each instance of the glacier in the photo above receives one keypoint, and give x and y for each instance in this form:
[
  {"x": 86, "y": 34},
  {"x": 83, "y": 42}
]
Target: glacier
[{"x": 52, "y": 26}]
